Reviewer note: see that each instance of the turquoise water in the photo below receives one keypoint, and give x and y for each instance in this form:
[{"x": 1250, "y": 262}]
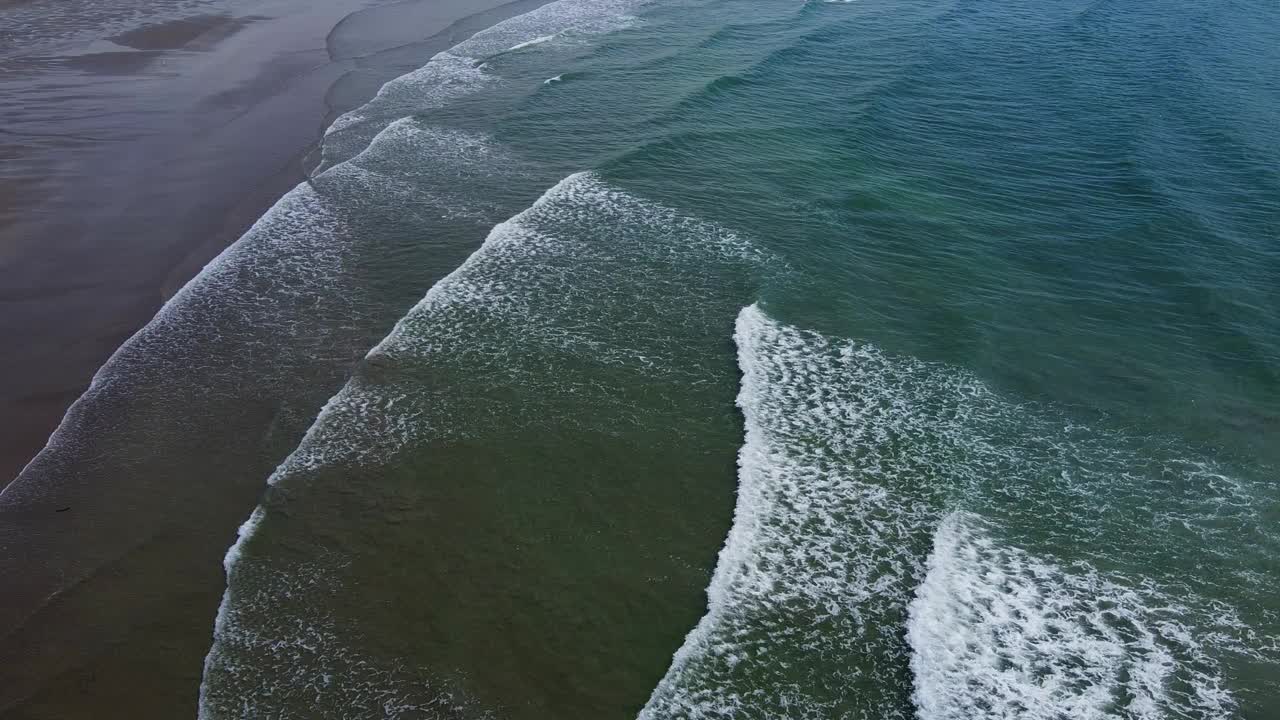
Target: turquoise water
[{"x": 813, "y": 360}]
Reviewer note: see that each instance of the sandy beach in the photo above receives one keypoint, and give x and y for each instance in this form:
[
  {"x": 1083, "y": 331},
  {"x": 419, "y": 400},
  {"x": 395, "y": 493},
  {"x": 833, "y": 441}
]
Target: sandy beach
[
  {"x": 136, "y": 145},
  {"x": 132, "y": 160}
]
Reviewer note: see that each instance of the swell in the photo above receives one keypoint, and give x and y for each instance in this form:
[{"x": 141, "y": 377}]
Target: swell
[
  {"x": 221, "y": 384},
  {"x": 456, "y": 72},
  {"x": 460, "y": 70},
  {"x": 456, "y": 32},
  {"x": 1165, "y": 217},
  {"x": 193, "y": 294},
  {"x": 789, "y": 52},
  {"x": 551, "y": 333}
]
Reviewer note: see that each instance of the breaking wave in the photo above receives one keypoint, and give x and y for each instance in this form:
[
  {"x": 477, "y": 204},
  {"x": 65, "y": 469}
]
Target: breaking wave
[{"x": 857, "y": 464}]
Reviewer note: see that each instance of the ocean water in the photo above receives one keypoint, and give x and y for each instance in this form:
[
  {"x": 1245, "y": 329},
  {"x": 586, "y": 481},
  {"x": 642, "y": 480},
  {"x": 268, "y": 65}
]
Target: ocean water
[{"x": 808, "y": 360}]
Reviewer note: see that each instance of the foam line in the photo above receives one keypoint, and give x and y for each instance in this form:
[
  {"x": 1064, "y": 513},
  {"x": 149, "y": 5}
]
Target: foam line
[
  {"x": 570, "y": 277},
  {"x": 997, "y": 632},
  {"x": 853, "y": 464}
]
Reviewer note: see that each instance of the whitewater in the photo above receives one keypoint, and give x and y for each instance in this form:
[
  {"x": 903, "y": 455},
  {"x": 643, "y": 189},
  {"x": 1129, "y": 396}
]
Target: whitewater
[
  {"x": 557, "y": 489},
  {"x": 728, "y": 359}
]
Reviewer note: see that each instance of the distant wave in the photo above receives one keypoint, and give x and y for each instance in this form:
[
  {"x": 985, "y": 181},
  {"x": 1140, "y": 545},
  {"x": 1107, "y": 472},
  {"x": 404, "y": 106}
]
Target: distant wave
[
  {"x": 461, "y": 70},
  {"x": 528, "y": 43}
]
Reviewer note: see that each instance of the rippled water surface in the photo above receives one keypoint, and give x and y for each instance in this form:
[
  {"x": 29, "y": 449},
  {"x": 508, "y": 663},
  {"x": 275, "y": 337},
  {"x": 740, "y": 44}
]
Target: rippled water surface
[{"x": 858, "y": 359}]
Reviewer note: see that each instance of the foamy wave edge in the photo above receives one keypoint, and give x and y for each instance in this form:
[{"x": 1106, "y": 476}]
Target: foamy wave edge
[
  {"x": 746, "y": 514},
  {"x": 606, "y": 17},
  {"x": 997, "y": 632},
  {"x": 300, "y": 457},
  {"x": 455, "y": 72}
]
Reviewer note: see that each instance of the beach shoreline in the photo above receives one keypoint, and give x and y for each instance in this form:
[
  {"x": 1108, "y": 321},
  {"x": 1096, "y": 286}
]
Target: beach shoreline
[{"x": 135, "y": 158}]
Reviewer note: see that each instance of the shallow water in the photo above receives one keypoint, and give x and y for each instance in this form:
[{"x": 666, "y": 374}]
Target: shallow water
[{"x": 993, "y": 286}]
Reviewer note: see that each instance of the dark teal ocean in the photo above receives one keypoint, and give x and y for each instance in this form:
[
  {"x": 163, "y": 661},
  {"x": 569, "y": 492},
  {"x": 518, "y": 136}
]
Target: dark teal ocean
[{"x": 773, "y": 359}]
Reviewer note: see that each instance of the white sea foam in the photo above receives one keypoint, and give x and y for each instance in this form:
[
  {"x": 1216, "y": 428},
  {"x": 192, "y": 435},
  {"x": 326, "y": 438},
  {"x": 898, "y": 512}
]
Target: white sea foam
[
  {"x": 446, "y": 77},
  {"x": 248, "y": 289},
  {"x": 279, "y": 278},
  {"x": 392, "y": 691},
  {"x": 588, "y": 276},
  {"x": 577, "y": 17},
  {"x": 530, "y": 43},
  {"x": 449, "y": 165},
  {"x": 819, "y": 557},
  {"x": 526, "y": 287},
  {"x": 462, "y": 69},
  {"x": 555, "y": 79},
  {"x": 997, "y": 632},
  {"x": 852, "y": 460}
]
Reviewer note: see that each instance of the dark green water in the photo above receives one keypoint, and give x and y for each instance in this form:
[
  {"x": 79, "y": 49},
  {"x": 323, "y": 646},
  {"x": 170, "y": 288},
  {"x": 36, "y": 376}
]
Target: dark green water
[{"x": 989, "y": 289}]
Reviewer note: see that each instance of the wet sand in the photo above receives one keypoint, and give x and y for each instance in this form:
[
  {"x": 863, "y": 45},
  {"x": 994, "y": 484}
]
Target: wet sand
[
  {"x": 131, "y": 161},
  {"x": 129, "y": 158}
]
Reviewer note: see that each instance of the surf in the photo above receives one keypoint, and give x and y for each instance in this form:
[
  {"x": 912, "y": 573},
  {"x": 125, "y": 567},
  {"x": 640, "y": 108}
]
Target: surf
[
  {"x": 870, "y": 491},
  {"x": 463, "y": 69},
  {"x": 549, "y": 338},
  {"x": 996, "y": 631}
]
